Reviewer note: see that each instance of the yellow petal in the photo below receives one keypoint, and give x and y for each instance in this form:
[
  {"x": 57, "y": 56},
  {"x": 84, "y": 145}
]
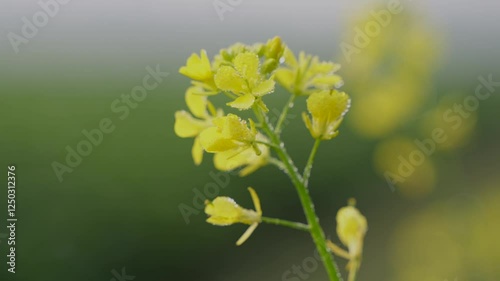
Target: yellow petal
[
  {"x": 247, "y": 64},
  {"x": 231, "y": 159},
  {"x": 186, "y": 126},
  {"x": 228, "y": 79},
  {"x": 247, "y": 234},
  {"x": 197, "y": 103},
  {"x": 244, "y": 156},
  {"x": 223, "y": 211},
  {"x": 197, "y": 152},
  {"x": 243, "y": 102},
  {"x": 285, "y": 77},
  {"x": 256, "y": 200},
  {"x": 213, "y": 141},
  {"x": 290, "y": 58},
  {"x": 234, "y": 128},
  {"x": 264, "y": 88},
  {"x": 326, "y": 81},
  {"x": 197, "y": 68},
  {"x": 307, "y": 121},
  {"x": 328, "y": 104}
]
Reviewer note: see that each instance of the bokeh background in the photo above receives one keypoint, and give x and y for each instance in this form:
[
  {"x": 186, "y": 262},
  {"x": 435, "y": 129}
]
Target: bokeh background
[{"x": 119, "y": 208}]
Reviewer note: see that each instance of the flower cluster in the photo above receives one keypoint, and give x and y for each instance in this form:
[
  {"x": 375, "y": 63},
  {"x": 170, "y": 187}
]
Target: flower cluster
[{"x": 246, "y": 74}]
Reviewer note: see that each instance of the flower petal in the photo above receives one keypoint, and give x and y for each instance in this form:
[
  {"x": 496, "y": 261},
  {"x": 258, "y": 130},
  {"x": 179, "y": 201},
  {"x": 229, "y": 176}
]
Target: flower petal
[
  {"x": 247, "y": 234},
  {"x": 213, "y": 141},
  {"x": 228, "y": 79},
  {"x": 264, "y": 88},
  {"x": 197, "y": 103},
  {"x": 247, "y": 64},
  {"x": 197, "y": 151},
  {"x": 186, "y": 126},
  {"x": 243, "y": 102},
  {"x": 197, "y": 68}
]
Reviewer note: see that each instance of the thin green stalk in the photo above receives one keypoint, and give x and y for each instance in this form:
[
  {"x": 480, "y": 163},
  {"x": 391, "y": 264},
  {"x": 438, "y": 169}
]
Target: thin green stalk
[
  {"x": 277, "y": 163},
  {"x": 266, "y": 143},
  {"x": 310, "y": 161},
  {"x": 284, "y": 113},
  {"x": 291, "y": 224},
  {"x": 316, "y": 231}
]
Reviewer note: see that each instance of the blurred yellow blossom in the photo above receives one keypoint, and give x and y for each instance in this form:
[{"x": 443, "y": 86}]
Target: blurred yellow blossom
[
  {"x": 351, "y": 229},
  {"x": 395, "y": 80},
  {"x": 406, "y": 166},
  {"x": 307, "y": 75},
  {"x": 224, "y": 211}
]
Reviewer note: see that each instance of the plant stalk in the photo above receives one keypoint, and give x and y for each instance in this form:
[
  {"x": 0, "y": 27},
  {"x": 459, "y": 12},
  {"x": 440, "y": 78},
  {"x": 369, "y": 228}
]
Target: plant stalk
[
  {"x": 291, "y": 224},
  {"x": 310, "y": 161},
  {"x": 316, "y": 231}
]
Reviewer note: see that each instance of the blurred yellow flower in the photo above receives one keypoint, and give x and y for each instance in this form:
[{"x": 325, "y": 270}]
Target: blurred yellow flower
[
  {"x": 243, "y": 156},
  {"x": 197, "y": 67},
  {"x": 395, "y": 85},
  {"x": 406, "y": 166},
  {"x": 229, "y": 132},
  {"x": 224, "y": 211},
  {"x": 243, "y": 78},
  {"x": 307, "y": 75},
  {"x": 351, "y": 229},
  {"x": 187, "y": 126},
  {"x": 327, "y": 109},
  {"x": 457, "y": 123}
]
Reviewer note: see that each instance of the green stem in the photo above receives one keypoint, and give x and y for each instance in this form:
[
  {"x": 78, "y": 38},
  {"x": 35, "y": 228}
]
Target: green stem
[
  {"x": 277, "y": 163},
  {"x": 316, "y": 231},
  {"x": 284, "y": 113},
  {"x": 310, "y": 161},
  {"x": 291, "y": 224},
  {"x": 266, "y": 143}
]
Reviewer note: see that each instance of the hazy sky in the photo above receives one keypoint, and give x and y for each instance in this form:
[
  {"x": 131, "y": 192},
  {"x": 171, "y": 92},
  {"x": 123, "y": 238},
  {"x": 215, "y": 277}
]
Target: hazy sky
[{"x": 175, "y": 28}]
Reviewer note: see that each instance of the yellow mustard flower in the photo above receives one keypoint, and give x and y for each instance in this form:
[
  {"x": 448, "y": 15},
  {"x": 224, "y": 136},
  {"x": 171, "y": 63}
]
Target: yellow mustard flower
[
  {"x": 327, "y": 109},
  {"x": 243, "y": 156},
  {"x": 224, "y": 211},
  {"x": 307, "y": 74},
  {"x": 351, "y": 229},
  {"x": 198, "y": 67},
  {"x": 189, "y": 126},
  {"x": 244, "y": 79},
  {"x": 229, "y": 132}
]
